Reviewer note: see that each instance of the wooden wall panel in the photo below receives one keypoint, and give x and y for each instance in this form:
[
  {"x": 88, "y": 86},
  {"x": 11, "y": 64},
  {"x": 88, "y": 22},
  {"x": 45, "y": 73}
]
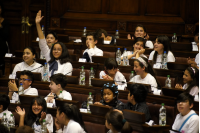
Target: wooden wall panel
[{"x": 124, "y": 7}]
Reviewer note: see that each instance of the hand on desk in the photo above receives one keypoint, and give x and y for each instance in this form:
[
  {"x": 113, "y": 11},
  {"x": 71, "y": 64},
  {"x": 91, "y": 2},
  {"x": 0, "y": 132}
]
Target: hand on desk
[
  {"x": 98, "y": 103},
  {"x": 178, "y": 86}
]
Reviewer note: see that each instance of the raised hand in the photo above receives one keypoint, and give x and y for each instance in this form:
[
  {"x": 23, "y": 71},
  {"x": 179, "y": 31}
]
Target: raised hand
[
  {"x": 38, "y": 17},
  {"x": 178, "y": 86},
  {"x": 19, "y": 111},
  {"x": 43, "y": 116},
  {"x": 12, "y": 86},
  {"x": 147, "y": 37},
  {"x": 141, "y": 51}
]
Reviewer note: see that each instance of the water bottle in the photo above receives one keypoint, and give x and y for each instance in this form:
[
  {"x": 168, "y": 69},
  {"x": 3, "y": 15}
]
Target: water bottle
[
  {"x": 131, "y": 75},
  {"x": 89, "y": 101},
  {"x": 44, "y": 127},
  {"x": 82, "y": 76},
  {"x": 118, "y": 56},
  {"x": 125, "y": 58},
  {"x": 43, "y": 30},
  {"x": 45, "y": 73},
  {"x": 21, "y": 89},
  {"x": 92, "y": 75},
  {"x": 174, "y": 38},
  {"x": 164, "y": 62},
  {"x": 61, "y": 95},
  {"x": 162, "y": 115},
  {"x": 168, "y": 82},
  {"x": 11, "y": 121},
  {"x": 84, "y": 31},
  {"x": 4, "y": 120},
  {"x": 116, "y": 35}
]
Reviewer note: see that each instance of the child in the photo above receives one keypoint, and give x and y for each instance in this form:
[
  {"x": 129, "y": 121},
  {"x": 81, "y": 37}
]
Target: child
[
  {"x": 138, "y": 49},
  {"x": 161, "y": 44},
  {"x": 92, "y": 50},
  {"x": 187, "y": 120},
  {"x": 104, "y": 34},
  {"x": 194, "y": 62},
  {"x": 191, "y": 81},
  {"x": 195, "y": 44},
  {"x": 111, "y": 72},
  {"x": 26, "y": 78},
  {"x": 35, "y": 116},
  {"x": 4, "y": 103},
  {"x": 57, "y": 84},
  {"x": 109, "y": 95},
  {"x": 29, "y": 62},
  {"x": 145, "y": 73},
  {"x": 140, "y": 31},
  {"x": 137, "y": 100},
  {"x": 70, "y": 116},
  {"x": 58, "y": 57},
  {"x": 116, "y": 123}
]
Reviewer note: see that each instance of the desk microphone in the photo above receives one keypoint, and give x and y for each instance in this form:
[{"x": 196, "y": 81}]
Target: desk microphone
[{"x": 37, "y": 68}]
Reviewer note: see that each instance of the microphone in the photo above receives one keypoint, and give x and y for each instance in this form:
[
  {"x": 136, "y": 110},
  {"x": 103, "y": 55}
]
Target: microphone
[{"x": 37, "y": 68}]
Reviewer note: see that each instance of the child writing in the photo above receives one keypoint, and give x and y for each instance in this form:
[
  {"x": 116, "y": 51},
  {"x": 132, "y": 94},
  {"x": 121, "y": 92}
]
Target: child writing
[
  {"x": 145, "y": 73},
  {"x": 70, "y": 116},
  {"x": 4, "y": 103},
  {"x": 191, "y": 81},
  {"x": 58, "y": 57},
  {"x": 161, "y": 45},
  {"x": 57, "y": 84},
  {"x": 35, "y": 116}
]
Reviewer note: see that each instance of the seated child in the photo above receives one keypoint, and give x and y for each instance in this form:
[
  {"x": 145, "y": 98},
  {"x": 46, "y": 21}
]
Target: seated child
[
  {"x": 104, "y": 34},
  {"x": 4, "y": 103},
  {"x": 92, "y": 50},
  {"x": 111, "y": 72},
  {"x": 36, "y": 114},
  {"x": 109, "y": 95},
  {"x": 26, "y": 78},
  {"x": 187, "y": 120},
  {"x": 191, "y": 81},
  {"x": 57, "y": 84},
  {"x": 145, "y": 73}
]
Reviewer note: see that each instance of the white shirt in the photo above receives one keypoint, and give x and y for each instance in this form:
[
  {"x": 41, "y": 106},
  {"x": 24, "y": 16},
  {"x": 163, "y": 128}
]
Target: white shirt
[
  {"x": 170, "y": 58},
  {"x": 194, "y": 91},
  {"x": 149, "y": 44},
  {"x": 65, "y": 68},
  {"x": 8, "y": 113},
  {"x": 66, "y": 96},
  {"x": 49, "y": 124},
  {"x": 73, "y": 127},
  {"x": 94, "y": 52},
  {"x": 149, "y": 79},
  {"x": 28, "y": 91},
  {"x": 197, "y": 59},
  {"x": 191, "y": 126},
  {"x": 24, "y": 66},
  {"x": 194, "y": 46}
]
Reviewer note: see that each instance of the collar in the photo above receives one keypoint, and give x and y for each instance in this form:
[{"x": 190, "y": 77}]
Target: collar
[
  {"x": 31, "y": 64},
  {"x": 25, "y": 90}
]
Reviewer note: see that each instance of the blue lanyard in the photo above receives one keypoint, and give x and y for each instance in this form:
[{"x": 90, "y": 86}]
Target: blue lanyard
[{"x": 186, "y": 121}]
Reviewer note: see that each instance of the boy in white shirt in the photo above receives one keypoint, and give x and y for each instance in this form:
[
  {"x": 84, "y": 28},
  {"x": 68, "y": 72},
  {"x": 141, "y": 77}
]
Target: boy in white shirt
[
  {"x": 92, "y": 50},
  {"x": 26, "y": 79},
  {"x": 187, "y": 120},
  {"x": 57, "y": 84},
  {"x": 4, "y": 103}
]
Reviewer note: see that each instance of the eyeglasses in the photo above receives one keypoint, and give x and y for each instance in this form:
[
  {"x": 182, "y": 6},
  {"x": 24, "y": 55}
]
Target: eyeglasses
[
  {"x": 24, "y": 79},
  {"x": 58, "y": 50}
]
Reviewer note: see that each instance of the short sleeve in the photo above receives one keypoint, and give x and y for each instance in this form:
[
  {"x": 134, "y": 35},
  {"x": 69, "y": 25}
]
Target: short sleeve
[
  {"x": 170, "y": 57},
  {"x": 101, "y": 74},
  {"x": 149, "y": 44},
  {"x": 68, "y": 69},
  {"x": 16, "y": 68},
  {"x": 67, "y": 96},
  {"x": 151, "y": 55}
]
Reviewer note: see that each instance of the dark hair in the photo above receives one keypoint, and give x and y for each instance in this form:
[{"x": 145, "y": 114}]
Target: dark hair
[
  {"x": 31, "y": 49},
  {"x": 139, "y": 91},
  {"x": 184, "y": 97},
  {"x": 140, "y": 39},
  {"x": 59, "y": 79},
  {"x": 140, "y": 25},
  {"x": 110, "y": 63},
  {"x": 5, "y": 101},
  {"x": 53, "y": 33},
  {"x": 30, "y": 118},
  {"x": 117, "y": 120},
  {"x": 100, "y": 31},
  {"x": 194, "y": 73},
  {"x": 64, "y": 57},
  {"x": 4, "y": 129},
  {"x": 94, "y": 34},
  {"x": 29, "y": 74},
  {"x": 24, "y": 129},
  {"x": 72, "y": 112},
  {"x": 2, "y": 9},
  {"x": 148, "y": 69},
  {"x": 163, "y": 39}
]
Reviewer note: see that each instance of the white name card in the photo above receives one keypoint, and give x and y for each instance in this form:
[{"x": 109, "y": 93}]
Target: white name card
[
  {"x": 156, "y": 92},
  {"x": 82, "y": 60},
  {"x": 78, "y": 40},
  {"x": 106, "y": 42},
  {"x": 196, "y": 98},
  {"x": 8, "y": 55},
  {"x": 37, "y": 39},
  {"x": 83, "y": 110},
  {"x": 121, "y": 87},
  {"x": 12, "y": 76}
]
